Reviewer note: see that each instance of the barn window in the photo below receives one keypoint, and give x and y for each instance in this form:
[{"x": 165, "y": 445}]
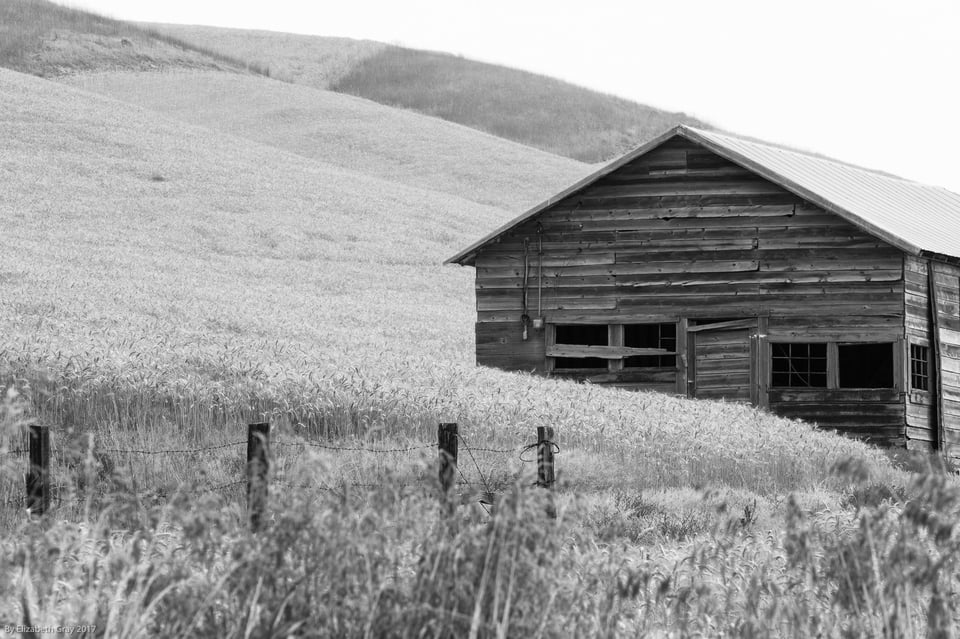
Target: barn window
[
  {"x": 651, "y": 336},
  {"x": 799, "y": 365},
  {"x": 919, "y": 367},
  {"x": 580, "y": 335},
  {"x": 865, "y": 365}
]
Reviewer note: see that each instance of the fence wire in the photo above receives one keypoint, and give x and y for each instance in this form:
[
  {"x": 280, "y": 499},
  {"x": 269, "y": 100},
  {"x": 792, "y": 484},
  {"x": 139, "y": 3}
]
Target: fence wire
[
  {"x": 317, "y": 444},
  {"x": 171, "y": 451},
  {"x": 301, "y": 445}
]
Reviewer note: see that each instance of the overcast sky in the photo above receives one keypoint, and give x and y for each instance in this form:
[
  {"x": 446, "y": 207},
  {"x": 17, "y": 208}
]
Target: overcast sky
[{"x": 873, "y": 83}]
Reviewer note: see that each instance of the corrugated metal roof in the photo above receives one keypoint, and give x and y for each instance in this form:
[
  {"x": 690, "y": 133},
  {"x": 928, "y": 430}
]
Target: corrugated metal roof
[{"x": 914, "y": 217}]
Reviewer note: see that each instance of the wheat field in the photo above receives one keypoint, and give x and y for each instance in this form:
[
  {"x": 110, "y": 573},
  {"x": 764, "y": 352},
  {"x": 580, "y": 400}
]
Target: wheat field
[{"x": 349, "y": 132}]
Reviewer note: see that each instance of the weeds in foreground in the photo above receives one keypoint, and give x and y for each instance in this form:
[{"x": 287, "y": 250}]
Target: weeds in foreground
[{"x": 382, "y": 563}]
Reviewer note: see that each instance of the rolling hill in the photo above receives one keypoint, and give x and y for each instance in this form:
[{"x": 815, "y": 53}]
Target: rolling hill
[
  {"x": 148, "y": 266},
  {"x": 349, "y": 132},
  {"x": 313, "y": 61},
  {"x": 47, "y": 39},
  {"x": 50, "y": 40},
  {"x": 532, "y": 109}
]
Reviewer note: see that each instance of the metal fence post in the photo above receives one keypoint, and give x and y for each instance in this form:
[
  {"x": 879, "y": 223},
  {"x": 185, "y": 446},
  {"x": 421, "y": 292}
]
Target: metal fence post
[
  {"x": 38, "y": 477},
  {"x": 545, "y": 474},
  {"x": 258, "y": 441},
  {"x": 447, "y": 444}
]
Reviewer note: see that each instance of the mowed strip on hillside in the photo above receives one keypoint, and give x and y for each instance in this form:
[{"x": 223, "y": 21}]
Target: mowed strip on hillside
[
  {"x": 314, "y": 61},
  {"x": 350, "y": 132}
]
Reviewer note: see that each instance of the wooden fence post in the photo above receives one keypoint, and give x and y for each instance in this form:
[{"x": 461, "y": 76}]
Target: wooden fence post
[
  {"x": 38, "y": 477},
  {"x": 545, "y": 475},
  {"x": 258, "y": 440},
  {"x": 447, "y": 443}
]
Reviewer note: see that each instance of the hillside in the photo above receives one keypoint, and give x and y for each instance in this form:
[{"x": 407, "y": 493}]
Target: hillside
[
  {"x": 154, "y": 265},
  {"x": 532, "y": 109},
  {"x": 349, "y": 132},
  {"x": 47, "y": 39},
  {"x": 313, "y": 61},
  {"x": 50, "y": 40}
]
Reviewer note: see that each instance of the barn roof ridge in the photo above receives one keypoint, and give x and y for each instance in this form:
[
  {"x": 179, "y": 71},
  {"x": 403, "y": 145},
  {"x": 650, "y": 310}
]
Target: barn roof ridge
[{"x": 870, "y": 199}]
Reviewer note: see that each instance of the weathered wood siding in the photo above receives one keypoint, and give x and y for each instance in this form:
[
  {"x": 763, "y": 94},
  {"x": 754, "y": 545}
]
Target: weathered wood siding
[
  {"x": 922, "y": 406},
  {"x": 682, "y": 233}
]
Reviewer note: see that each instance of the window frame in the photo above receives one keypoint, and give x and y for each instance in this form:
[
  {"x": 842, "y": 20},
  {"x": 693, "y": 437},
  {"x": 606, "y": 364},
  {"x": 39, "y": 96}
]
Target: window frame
[
  {"x": 575, "y": 369},
  {"x": 809, "y": 357},
  {"x": 833, "y": 369},
  {"x": 927, "y": 376},
  {"x": 615, "y": 340}
]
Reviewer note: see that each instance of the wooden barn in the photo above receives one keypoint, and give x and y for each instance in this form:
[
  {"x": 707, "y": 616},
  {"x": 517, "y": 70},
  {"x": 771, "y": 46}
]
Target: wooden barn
[{"x": 713, "y": 266}]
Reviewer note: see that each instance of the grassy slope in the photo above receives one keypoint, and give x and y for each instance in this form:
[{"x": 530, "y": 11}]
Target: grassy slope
[
  {"x": 303, "y": 59},
  {"x": 532, "y": 109},
  {"x": 47, "y": 39},
  {"x": 349, "y": 132},
  {"x": 176, "y": 276}
]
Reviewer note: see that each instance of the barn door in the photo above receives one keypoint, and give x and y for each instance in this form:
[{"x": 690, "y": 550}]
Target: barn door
[{"x": 722, "y": 359}]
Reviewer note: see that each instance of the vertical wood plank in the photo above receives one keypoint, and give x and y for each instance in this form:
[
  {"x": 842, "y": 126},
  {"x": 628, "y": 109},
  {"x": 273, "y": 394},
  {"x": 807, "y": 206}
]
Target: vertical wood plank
[
  {"x": 934, "y": 310},
  {"x": 682, "y": 376},
  {"x": 833, "y": 365},
  {"x": 900, "y": 380},
  {"x": 615, "y": 338},
  {"x": 550, "y": 338},
  {"x": 763, "y": 362}
]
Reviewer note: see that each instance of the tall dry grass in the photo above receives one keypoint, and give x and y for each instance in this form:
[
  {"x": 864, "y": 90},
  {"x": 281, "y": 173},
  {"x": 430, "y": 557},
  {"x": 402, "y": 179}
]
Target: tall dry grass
[{"x": 381, "y": 562}]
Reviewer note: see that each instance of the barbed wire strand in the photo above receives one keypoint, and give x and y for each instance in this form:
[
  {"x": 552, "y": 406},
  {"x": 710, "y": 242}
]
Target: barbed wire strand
[
  {"x": 316, "y": 444},
  {"x": 494, "y": 450},
  {"x": 534, "y": 445},
  {"x": 182, "y": 451}
]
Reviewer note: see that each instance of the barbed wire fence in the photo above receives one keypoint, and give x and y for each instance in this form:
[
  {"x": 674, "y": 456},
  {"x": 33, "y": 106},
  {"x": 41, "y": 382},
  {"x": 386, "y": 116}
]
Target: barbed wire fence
[{"x": 37, "y": 497}]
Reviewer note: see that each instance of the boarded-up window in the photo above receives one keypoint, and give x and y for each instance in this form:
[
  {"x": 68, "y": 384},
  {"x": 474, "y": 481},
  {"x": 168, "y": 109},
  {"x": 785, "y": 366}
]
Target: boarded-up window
[
  {"x": 865, "y": 365},
  {"x": 799, "y": 365},
  {"x": 919, "y": 367},
  {"x": 581, "y": 335},
  {"x": 651, "y": 336}
]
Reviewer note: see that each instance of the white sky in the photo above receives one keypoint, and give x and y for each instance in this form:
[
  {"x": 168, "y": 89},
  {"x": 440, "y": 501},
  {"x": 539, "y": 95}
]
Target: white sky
[{"x": 873, "y": 83}]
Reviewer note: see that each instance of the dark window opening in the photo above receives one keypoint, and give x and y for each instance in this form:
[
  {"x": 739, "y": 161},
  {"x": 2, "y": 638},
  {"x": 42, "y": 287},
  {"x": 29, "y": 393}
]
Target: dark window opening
[
  {"x": 919, "y": 367},
  {"x": 650, "y": 336},
  {"x": 581, "y": 335},
  {"x": 799, "y": 365},
  {"x": 865, "y": 365}
]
